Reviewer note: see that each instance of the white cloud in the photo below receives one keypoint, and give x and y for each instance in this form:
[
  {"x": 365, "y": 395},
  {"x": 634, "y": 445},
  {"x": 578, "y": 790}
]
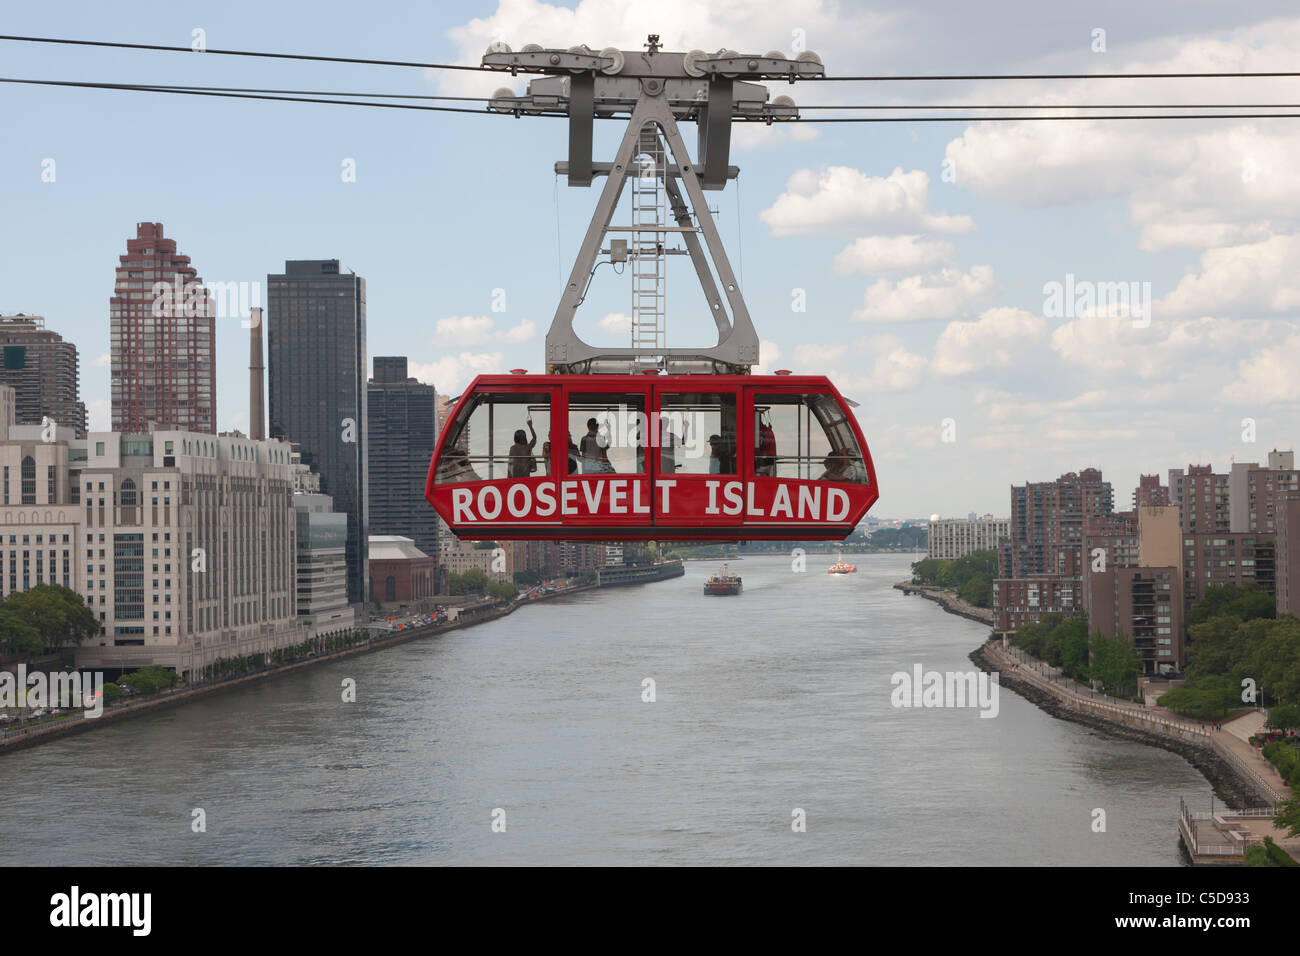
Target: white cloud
[
  {"x": 523, "y": 332},
  {"x": 451, "y": 373},
  {"x": 880, "y": 363},
  {"x": 616, "y": 322},
  {"x": 1268, "y": 377},
  {"x": 840, "y": 198},
  {"x": 103, "y": 361},
  {"x": 874, "y": 254},
  {"x": 1254, "y": 278},
  {"x": 940, "y": 295},
  {"x": 839, "y": 33},
  {"x": 999, "y": 337},
  {"x": 769, "y": 353},
  {"x": 471, "y": 330},
  {"x": 1113, "y": 344},
  {"x": 1194, "y": 183}
]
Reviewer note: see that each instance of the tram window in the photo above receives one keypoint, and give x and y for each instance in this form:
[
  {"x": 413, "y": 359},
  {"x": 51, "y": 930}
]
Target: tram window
[
  {"x": 606, "y": 434},
  {"x": 697, "y": 433},
  {"x": 498, "y": 436},
  {"x": 805, "y": 436}
]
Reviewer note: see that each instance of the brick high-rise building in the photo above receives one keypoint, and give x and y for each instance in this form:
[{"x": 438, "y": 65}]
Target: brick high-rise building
[
  {"x": 1227, "y": 558},
  {"x": 316, "y": 384},
  {"x": 163, "y": 339},
  {"x": 1047, "y": 520},
  {"x": 1202, "y": 497},
  {"x": 1042, "y": 559},
  {"x": 1253, "y": 491},
  {"x": 42, "y": 370},
  {"x": 400, "y": 440},
  {"x": 1150, "y": 493},
  {"x": 1287, "y": 554},
  {"x": 1138, "y": 592}
]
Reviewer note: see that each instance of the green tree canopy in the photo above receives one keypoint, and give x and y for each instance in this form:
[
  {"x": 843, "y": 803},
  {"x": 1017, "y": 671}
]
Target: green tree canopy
[
  {"x": 57, "y": 614},
  {"x": 1245, "y": 602}
]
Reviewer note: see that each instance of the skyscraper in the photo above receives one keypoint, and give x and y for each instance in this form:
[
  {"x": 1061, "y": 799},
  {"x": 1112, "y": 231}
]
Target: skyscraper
[
  {"x": 400, "y": 441},
  {"x": 163, "y": 339},
  {"x": 316, "y": 341},
  {"x": 42, "y": 370}
]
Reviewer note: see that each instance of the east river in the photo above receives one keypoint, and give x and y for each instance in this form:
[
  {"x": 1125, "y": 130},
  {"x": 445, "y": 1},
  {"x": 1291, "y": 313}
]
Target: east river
[{"x": 770, "y": 702}]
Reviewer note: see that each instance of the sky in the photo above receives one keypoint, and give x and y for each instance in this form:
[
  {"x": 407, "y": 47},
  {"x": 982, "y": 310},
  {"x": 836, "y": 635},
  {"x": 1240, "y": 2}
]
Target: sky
[{"x": 930, "y": 259}]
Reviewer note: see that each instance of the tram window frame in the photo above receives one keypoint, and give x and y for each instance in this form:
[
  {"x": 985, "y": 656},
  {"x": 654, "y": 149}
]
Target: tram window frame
[
  {"x": 582, "y": 403},
  {"x": 835, "y": 429},
  {"x": 540, "y": 405},
  {"x": 728, "y": 401}
]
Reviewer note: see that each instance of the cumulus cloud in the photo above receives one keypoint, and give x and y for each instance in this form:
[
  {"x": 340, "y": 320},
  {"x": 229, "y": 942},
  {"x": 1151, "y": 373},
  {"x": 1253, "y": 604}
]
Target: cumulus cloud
[
  {"x": 616, "y": 322},
  {"x": 471, "y": 330},
  {"x": 103, "y": 361},
  {"x": 996, "y": 339},
  {"x": 838, "y": 32},
  {"x": 451, "y": 373},
  {"x": 880, "y": 363},
  {"x": 1201, "y": 184},
  {"x": 941, "y": 295},
  {"x": 1112, "y": 344},
  {"x": 875, "y": 254},
  {"x": 1249, "y": 279},
  {"x": 840, "y": 198},
  {"x": 1268, "y": 377},
  {"x": 769, "y": 353}
]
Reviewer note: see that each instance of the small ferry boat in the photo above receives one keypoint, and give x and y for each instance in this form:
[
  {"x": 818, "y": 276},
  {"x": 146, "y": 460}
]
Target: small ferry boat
[
  {"x": 722, "y": 583},
  {"x": 839, "y": 567}
]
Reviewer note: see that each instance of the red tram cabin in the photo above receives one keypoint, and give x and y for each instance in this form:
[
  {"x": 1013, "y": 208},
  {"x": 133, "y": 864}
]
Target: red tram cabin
[{"x": 722, "y": 458}]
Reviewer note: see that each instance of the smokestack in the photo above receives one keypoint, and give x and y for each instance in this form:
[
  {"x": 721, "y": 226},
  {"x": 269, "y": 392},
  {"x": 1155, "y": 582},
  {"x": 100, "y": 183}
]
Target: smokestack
[{"x": 256, "y": 405}]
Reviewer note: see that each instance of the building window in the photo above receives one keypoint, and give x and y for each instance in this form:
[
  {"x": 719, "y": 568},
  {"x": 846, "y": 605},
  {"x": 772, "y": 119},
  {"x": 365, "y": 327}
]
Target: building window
[{"x": 29, "y": 480}]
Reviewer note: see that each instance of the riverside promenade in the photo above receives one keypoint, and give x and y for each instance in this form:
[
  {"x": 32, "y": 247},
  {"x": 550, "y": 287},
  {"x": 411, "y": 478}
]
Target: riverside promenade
[
  {"x": 78, "y": 722},
  {"x": 1229, "y": 744}
]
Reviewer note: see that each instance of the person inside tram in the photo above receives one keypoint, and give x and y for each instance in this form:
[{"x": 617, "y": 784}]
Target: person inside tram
[
  {"x": 574, "y": 457},
  {"x": 522, "y": 462},
  {"x": 841, "y": 465},
  {"x": 546, "y": 454},
  {"x": 595, "y": 458},
  {"x": 720, "y": 460},
  {"x": 458, "y": 467}
]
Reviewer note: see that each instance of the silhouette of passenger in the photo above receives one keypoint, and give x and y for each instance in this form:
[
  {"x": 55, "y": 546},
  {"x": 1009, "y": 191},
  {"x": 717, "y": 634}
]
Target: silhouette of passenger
[
  {"x": 522, "y": 462},
  {"x": 595, "y": 458}
]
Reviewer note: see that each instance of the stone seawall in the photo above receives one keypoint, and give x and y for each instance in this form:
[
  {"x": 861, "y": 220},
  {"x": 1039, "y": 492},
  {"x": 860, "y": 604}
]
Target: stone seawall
[{"x": 1230, "y": 786}]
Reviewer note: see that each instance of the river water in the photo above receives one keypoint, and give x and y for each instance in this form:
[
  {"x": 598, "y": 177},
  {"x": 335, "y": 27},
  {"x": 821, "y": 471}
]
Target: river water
[{"x": 772, "y": 701}]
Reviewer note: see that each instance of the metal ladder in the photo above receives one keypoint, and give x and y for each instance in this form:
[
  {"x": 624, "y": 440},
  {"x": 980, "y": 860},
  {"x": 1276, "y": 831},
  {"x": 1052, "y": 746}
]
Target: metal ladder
[{"x": 649, "y": 273}]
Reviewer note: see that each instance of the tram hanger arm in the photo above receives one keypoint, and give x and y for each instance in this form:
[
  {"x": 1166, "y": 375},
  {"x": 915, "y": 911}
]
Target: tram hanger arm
[{"x": 603, "y": 169}]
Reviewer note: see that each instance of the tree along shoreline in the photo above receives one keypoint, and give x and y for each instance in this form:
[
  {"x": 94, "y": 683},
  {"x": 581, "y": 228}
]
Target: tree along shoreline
[{"x": 18, "y": 739}]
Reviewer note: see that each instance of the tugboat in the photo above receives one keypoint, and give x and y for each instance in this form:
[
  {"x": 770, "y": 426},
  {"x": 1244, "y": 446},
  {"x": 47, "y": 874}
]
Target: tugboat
[
  {"x": 722, "y": 583},
  {"x": 839, "y": 567}
]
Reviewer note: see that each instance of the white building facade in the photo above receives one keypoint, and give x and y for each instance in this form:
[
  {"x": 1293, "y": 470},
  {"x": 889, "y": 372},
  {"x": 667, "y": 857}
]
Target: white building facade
[{"x": 952, "y": 538}]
